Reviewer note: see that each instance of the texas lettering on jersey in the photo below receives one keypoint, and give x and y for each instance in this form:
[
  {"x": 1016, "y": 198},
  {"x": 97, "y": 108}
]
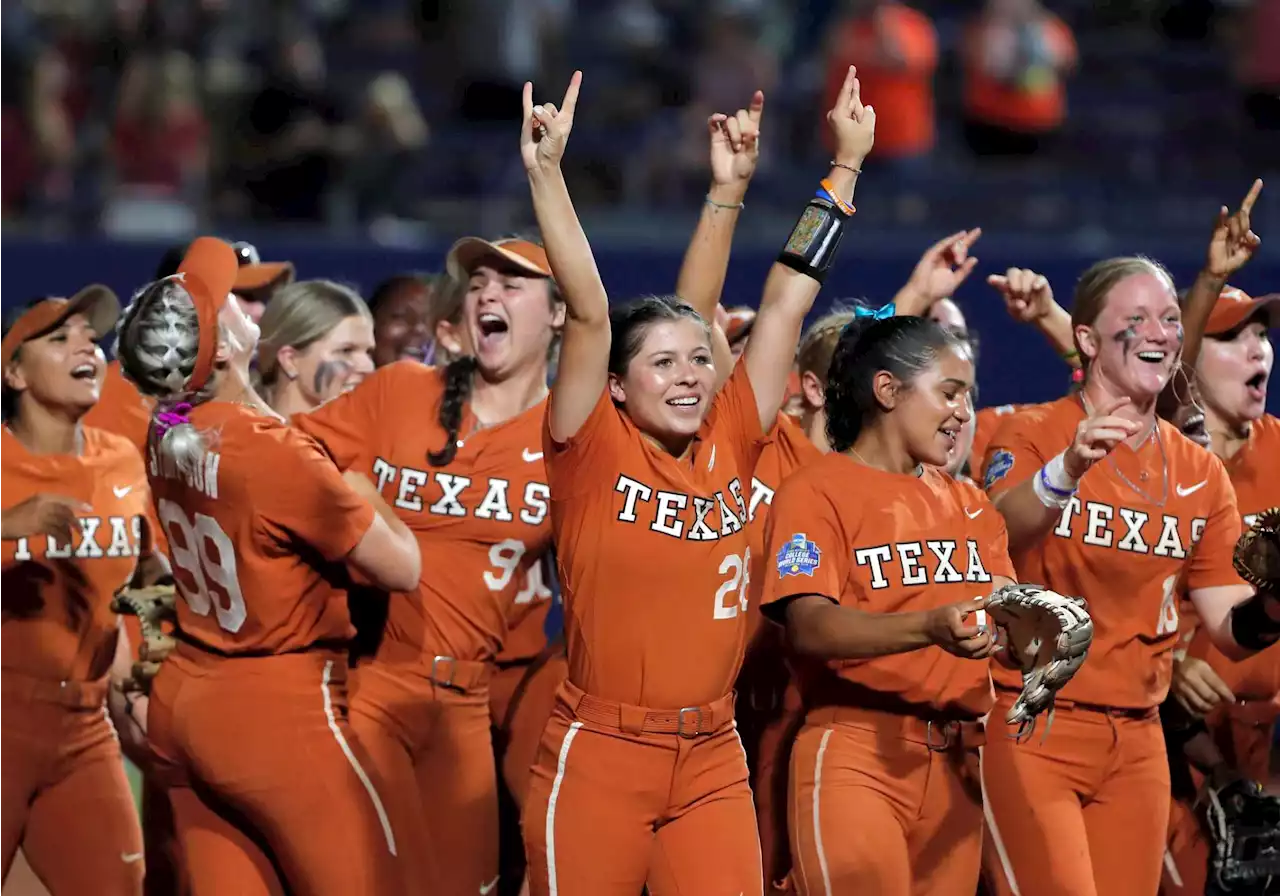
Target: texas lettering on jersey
[
  {"x": 912, "y": 563},
  {"x": 1126, "y": 529},
  {"x": 440, "y": 493},
  {"x": 99, "y": 537},
  {"x": 710, "y": 518}
]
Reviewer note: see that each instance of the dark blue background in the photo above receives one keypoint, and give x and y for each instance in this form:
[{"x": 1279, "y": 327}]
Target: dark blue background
[{"x": 1015, "y": 364}]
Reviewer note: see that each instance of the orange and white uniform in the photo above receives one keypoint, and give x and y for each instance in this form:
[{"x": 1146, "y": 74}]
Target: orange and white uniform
[
  {"x": 1244, "y": 731},
  {"x": 641, "y": 760},
  {"x": 1084, "y": 810},
  {"x": 122, "y": 409},
  {"x": 249, "y": 713},
  {"x": 883, "y": 748},
  {"x": 769, "y": 709},
  {"x": 482, "y": 522},
  {"x": 66, "y": 801}
]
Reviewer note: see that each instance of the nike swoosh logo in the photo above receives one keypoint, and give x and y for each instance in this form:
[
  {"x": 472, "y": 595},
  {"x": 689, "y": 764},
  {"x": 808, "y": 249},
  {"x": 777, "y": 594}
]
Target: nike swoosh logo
[
  {"x": 531, "y": 456},
  {"x": 974, "y": 515},
  {"x": 121, "y": 492},
  {"x": 1183, "y": 492},
  {"x": 486, "y": 888},
  {"x": 130, "y": 857}
]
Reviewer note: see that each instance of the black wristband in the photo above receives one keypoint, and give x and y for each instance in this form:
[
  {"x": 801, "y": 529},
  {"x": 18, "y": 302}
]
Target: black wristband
[
  {"x": 1252, "y": 626},
  {"x": 814, "y": 240}
]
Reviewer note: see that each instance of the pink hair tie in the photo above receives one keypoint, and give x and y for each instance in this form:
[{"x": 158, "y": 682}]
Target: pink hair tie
[
  {"x": 174, "y": 416},
  {"x": 1077, "y": 375}
]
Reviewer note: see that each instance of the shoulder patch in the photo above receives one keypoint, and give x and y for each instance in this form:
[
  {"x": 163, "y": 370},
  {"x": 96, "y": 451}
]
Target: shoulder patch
[
  {"x": 798, "y": 557},
  {"x": 1001, "y": 464}
]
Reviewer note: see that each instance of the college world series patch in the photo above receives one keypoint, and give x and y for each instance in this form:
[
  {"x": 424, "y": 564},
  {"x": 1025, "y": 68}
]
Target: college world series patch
[
  {"x": 798, "y": 557},
  {"x": 1001, "y": 464}
]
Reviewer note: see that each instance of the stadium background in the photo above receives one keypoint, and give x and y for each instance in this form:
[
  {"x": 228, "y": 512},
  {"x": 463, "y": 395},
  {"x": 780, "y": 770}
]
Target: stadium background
[{"x": 358, "y": 138}]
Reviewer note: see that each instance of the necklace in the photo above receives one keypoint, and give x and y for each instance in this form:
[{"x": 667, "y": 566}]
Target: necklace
[
  {"x": 1154, "y": 433},
  {"x": 917, "y": 472}
]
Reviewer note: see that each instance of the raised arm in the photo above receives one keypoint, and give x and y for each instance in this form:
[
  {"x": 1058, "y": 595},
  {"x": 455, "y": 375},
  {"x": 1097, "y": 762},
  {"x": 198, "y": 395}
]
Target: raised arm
[
  {"x": 796, "y": 277},
  {"x": 938, "y": 274},
  {"x": 735, "y": 149},
  {"x": 1231, "y": 245},
  {"x": 1028, "y": 298},
  {"x": 583, "y": 370}
]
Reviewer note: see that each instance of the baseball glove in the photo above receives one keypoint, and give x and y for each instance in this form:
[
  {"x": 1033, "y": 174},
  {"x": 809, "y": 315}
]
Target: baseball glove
[
  {"x": 1257, "y": 554},
  {"x": 1048, "y": 636},
  {"x": 1243, "y": 822},
  {"x": 154, "y": 606}
]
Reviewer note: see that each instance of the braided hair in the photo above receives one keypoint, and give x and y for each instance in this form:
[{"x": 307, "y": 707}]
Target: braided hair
[{"x": 459, "y": 376}]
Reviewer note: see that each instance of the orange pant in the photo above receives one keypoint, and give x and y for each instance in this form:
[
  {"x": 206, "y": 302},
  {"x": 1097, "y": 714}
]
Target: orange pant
[
  {"x": 266, "y": 777},
  {"x": 770, "y": 714},
  {"x": 521, "y": 697},
  {"x": 620, "y": 798},
  {"x": 1186, "y": 860},
  {"x": 65, "y": 797},
  {"x": 883, "y": 804},
  {"x": 432, "y": 745},
  {"x": 1082, "y": 812}
]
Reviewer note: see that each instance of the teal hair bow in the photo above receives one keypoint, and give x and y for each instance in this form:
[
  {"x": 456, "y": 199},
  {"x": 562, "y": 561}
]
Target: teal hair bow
[{"x": 882, "y": 313}]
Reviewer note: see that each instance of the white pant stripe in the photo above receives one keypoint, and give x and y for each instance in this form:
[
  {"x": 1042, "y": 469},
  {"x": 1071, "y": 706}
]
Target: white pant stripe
[
  {"x": 996, "y": 839},
  {"x": 553, "y": 886},
  {"x": 355, "y": 763},
  {"x": 817, "y": 819}
]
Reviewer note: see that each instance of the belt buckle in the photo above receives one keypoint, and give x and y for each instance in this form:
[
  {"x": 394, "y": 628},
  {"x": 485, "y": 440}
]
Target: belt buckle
[
  {"x": 948, "y": 732},
  {"x": 449, "y": 663},
  {"x": 697, "y": 724}
]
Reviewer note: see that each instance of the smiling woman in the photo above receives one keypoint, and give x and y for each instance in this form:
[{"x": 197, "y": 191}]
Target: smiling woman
[
  {"x": 316, "y": 343},
  {"x": 74, "y": 503}
]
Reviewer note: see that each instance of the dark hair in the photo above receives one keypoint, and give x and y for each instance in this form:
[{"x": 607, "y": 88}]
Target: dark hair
[
  {"x": 9, "y": 397},
  {"x": 903, "y": 346},
  {"x": 628, "y": 323},
  {"x": 459, "y": 375},
  {"x": 393, "y": 284}
]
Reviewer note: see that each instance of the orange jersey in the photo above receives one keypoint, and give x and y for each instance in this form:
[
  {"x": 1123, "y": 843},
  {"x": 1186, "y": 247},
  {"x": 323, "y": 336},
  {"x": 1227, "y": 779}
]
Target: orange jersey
[
  {"x": 257, "y": 536},
  {"x": 1122, "y": 550},
  {"x": 787, "y": 450},
  {"x": 122, "y": 409},
  {"x": 58, "y": 622},
  {"x": 1256, "y": 680},
  {"x": 653, "y": 555},
  {"x": 527, "y": 616},
  {"x": 985, "y": 423},
  {"x": 889, "y": 543},
  {"x": 481, "y": 521}
]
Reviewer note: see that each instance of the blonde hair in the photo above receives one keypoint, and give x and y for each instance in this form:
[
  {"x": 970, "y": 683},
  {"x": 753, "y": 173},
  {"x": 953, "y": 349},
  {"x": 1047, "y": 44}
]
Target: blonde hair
[
  {"x": 1095, "y": 286},
  {"x": 818, "y": 344},
  {"x": 157, "y": 340},
  {"x": 299, "y": 315}
]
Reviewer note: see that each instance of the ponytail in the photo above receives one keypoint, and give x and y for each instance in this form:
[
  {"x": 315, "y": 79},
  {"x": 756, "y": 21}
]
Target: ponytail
[{"x": 458, "y": 377}]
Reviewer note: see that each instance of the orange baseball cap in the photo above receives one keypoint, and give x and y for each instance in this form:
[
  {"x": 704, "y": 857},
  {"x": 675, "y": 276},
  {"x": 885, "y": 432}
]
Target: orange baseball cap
[
  {"x": 741, "y": 321},
  {"x": 96, "y": 302},
  {"x": 467, "y": 253},
  {"x": 1234, "y": 307},
  {"x": 255, "y": 274},
  {"x": 208, "y": 273}
]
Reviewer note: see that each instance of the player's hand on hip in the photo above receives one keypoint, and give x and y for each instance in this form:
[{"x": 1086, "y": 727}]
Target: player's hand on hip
[
  {"x": 53, "y": 515},
  {"x": 1097, "y": 436},
  {"x": 958, "y": 629},
  {"x": 545, "y": 131},
  {"x": 852, "y": 124},
  {"x": 1198, "y": 688}
]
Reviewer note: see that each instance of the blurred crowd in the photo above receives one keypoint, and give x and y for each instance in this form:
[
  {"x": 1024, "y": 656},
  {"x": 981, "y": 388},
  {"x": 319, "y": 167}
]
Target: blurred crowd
[{"x": 145, "y": 117}]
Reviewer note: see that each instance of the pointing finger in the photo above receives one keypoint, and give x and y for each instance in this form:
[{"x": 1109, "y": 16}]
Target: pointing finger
[
  {"x": 757, "y": 107},
  {"x": 571, "y": 95},
  {"x": 1251, "y": 197}
]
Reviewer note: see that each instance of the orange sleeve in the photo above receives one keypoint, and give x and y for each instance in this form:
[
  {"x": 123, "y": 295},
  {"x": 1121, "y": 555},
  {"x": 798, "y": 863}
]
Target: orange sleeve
[
  {"x": 307, "y": 500},
  {"x": 344, "y": 424},
  {"x": 806, "y": 550},
  {"x": 1210, "y": 564},
  {"x": 1012, "y": 457},
  {"x": 735, "y": 408},
  {"x": 589, "y": 457}
]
